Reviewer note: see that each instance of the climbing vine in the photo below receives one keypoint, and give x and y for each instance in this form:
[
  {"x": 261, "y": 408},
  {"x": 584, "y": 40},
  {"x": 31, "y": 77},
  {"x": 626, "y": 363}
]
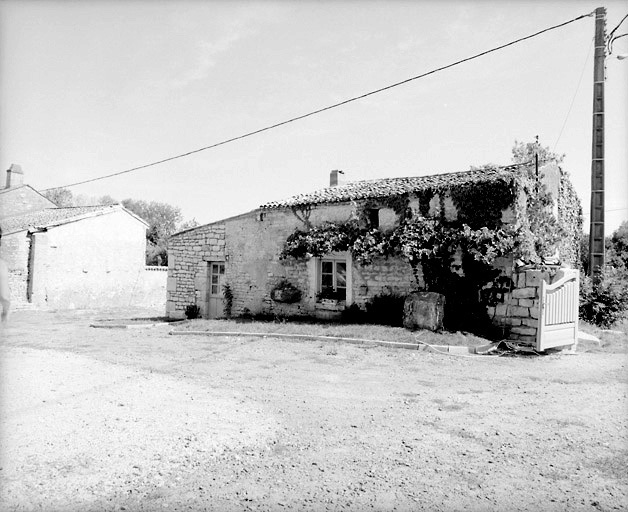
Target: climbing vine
[
  {"x": 427, "y": 243},
  {"x": 482, "y": 204}
]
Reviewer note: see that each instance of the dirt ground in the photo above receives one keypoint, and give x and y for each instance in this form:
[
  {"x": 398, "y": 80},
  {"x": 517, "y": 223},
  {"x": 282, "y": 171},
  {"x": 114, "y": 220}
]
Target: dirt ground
[{"x": 136, "y": 419}]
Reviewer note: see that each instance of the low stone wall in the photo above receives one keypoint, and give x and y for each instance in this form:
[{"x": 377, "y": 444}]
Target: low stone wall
[
  {"x": 519, "y": 311},
  {"x": 151, "y": 289}
]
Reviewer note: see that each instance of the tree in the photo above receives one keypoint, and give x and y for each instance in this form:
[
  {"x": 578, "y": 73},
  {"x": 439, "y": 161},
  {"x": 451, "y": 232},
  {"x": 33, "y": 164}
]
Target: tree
[
  {"x": 162, "y": 220},
  {"x": 618, "y": 250},
  {"x": 62, "y": 197},
  {"x": 523, "y": 152}
]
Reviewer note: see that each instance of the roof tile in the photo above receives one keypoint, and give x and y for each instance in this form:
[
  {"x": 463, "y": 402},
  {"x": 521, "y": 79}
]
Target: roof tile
[{"x": 371, "y": 189}]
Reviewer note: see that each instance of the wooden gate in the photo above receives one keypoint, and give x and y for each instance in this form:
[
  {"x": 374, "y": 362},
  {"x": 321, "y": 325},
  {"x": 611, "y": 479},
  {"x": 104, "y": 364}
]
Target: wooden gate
[{"x": 558, "y": 312}]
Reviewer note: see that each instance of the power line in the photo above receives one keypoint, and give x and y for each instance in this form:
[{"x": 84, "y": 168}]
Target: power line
[
  {"x": 329, "y": 107},
  {"x": 605, "y": 211},
  {"x": 574, "y": 95},
  {"x": 615, "y": 29}
]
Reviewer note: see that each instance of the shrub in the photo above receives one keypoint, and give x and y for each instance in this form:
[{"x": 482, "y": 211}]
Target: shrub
[
  {"x": 192, "y": 311},
  {"x": 606, "y": 302},
  {"x": 227, "y": 299},
  {"x": 353, "y": 314},
  {"x": 386, "y": 309}
]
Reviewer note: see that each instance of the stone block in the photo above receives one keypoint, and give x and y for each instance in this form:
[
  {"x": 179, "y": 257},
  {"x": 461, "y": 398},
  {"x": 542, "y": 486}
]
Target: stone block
[
  {"x": 524, "y": 331},
  {"x": 524, "y": 293},
  {"x": 520, "y": 280},
  {"x": 501, "y": 310},
  {"x": 534, "y": 312},
  {"x": 519, "y": 311},
  {"x": 530, "y": 322},
  {"x": 424, "y": 310},
  {"x": 512, "y": 321},
  {"x": 526, "y": 303},
  {"x": 527, "y": 339},
  {"x": 534, "y": 277}
]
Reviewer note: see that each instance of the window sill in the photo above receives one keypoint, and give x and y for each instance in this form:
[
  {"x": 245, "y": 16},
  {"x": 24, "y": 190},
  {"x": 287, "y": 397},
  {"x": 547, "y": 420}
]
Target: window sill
[{"x": 330, "y": 304}]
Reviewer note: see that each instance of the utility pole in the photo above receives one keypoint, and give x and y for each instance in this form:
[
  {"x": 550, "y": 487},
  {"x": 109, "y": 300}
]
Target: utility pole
[{"x": 596, "y": 229}]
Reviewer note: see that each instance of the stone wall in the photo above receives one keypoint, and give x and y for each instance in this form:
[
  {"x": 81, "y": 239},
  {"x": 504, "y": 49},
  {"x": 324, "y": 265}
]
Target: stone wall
[
  {"x": 383, "y": 277},
  {"x": 518, "y": 313},
  {"x": 251, "y": 244},
  {"x": 93, "y": 262},
  {"x": 22, "y": 200},
  {"x": 188, "y": 255},
  {"x": 150, "y": 290},
  {"x": 15, "y": 251}
]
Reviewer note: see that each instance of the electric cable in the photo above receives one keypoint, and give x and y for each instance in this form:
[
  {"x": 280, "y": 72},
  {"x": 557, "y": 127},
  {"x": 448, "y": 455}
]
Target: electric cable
[
  {"x": 610, "y": 35},
  {"x": 574, "y": 96},
  {"x": 329, "y": 107}
]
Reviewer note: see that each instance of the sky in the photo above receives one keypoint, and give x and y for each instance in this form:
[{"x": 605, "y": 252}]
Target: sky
[{"x": 97, "y": 87}]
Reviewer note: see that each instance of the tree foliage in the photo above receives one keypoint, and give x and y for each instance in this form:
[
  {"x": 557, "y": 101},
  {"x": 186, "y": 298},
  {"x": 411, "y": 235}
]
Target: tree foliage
[
  {"x": 523, "y": 152},
  {"x": 62, "y": 197},
  {"x": 618, "y": 250},
  {"x": 162, "y": 220}
]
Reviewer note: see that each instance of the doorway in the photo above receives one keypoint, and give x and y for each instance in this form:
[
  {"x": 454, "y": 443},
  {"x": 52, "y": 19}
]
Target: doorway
[{"x": 215, "y": 306}]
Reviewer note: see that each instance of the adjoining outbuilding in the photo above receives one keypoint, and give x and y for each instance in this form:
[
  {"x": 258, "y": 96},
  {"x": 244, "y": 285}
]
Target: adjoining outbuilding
[
  {"x": 77, "y": 257},
  {"x": 484, "y": 238}
]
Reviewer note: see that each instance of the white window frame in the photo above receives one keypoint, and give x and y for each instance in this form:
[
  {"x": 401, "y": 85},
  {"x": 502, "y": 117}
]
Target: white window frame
[{"x": 315, "y": 271}]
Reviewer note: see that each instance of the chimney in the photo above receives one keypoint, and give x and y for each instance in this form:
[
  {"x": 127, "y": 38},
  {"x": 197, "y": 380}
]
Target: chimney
[
  {"x": 333, "y": 178},
  {"x": 15, "y": 176}
]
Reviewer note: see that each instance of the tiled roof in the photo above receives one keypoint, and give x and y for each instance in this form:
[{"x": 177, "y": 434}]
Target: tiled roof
[
  {"x": 50, "y": 217},
  {"x": 385, "y": 187}
]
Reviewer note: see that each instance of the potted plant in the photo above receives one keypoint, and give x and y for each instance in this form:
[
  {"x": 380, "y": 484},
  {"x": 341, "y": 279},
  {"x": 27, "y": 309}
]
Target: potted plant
[{"x": 286, "y": 292}]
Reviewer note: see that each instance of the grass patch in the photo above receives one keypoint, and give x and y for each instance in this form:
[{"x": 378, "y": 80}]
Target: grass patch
[
  {"x": 360, "y": 331},
  {"x": 613, "y": 340}
]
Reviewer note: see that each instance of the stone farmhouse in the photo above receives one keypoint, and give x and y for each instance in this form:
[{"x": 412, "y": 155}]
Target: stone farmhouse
[
  {"x": 78, "y": 257},
  {"x": 247, "y": 253}
]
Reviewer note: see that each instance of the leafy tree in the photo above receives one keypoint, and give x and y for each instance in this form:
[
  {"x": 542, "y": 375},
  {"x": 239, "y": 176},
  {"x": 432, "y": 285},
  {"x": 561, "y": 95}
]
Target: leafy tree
[
  {"x": 615, "y": 246},
  {"x": 618, "y": 250},
  {"x": 62, "y": 197},
  {"x": 188, "y": 224},
  {"x": 525, "y": 151},
  {"x": 162, "y": 220}
]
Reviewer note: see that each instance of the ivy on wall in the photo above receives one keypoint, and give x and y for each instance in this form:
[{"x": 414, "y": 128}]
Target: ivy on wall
[
  {"x": 433, "y": 245},
  {"x": 482, "y": 204}
]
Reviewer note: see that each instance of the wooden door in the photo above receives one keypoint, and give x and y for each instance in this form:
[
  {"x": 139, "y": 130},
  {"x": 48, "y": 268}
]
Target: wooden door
[
  {"x": 215, "y": 306},
  {"x": 558, "y": 313}
]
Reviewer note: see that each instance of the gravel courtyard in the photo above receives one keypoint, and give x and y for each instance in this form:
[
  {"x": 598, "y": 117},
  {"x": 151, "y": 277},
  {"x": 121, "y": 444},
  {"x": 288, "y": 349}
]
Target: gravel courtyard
[{"x": 136, "y": 419}]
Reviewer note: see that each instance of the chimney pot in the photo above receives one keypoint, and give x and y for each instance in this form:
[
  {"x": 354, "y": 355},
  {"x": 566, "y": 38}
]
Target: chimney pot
[{"x": 15, "y": 176}]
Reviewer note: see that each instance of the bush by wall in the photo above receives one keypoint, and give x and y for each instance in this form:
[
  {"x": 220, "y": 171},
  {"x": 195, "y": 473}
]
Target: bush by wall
[{"x": 606, "y": 302}]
